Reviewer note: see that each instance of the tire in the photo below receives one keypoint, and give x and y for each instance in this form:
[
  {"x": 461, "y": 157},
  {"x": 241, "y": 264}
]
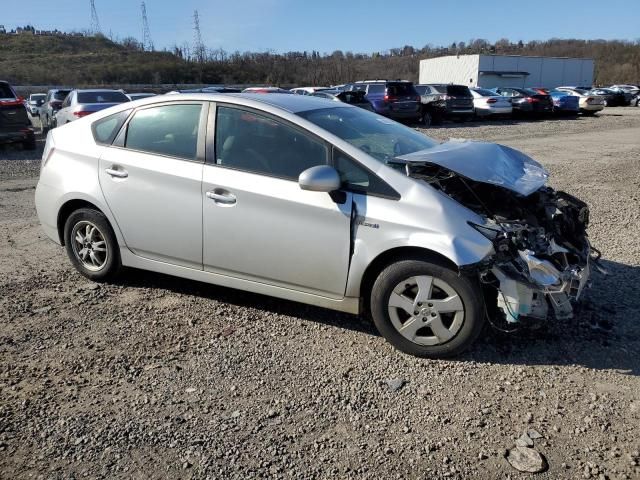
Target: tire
[
  {"x": 456, "y": 330},
  {"x": 107, "y": 265},
  {"x": 427, "y": 119},
  {"x": 29, "y": 144}
]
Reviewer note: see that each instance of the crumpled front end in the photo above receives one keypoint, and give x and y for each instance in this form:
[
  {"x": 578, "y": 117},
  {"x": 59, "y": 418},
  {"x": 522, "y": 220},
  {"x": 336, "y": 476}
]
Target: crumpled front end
[{"x": 542, "y": 257}]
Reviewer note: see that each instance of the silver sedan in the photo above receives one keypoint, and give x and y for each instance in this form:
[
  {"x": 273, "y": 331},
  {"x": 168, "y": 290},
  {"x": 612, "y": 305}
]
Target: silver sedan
[{"x": 318, "y": 202}]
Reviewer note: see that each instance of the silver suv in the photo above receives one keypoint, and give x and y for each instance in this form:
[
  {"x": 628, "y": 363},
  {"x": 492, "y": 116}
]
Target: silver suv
[{"x": 318, "y": 202}]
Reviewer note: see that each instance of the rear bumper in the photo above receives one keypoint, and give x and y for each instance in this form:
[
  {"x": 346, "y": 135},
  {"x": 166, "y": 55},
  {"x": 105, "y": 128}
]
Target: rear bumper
[
  {"x": 47, "y": 211},
  {"x": 485, "y": 111},
  {"x": 18, "y": 135}
]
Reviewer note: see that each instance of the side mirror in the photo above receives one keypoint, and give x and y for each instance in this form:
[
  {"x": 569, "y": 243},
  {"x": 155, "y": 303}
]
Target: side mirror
[{"x": 321, "y": 178}]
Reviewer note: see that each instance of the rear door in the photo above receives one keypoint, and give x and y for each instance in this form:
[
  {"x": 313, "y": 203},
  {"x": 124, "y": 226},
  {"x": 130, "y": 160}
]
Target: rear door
[{"x": 151, "y": 178}]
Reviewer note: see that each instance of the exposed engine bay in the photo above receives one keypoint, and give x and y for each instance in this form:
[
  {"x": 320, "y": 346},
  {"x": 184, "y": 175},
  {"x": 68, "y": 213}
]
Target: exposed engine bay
[{"x": 543, "y": 258}]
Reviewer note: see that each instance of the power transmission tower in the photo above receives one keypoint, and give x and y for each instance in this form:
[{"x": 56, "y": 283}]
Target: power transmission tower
[
  {"x": 198, "y": 47},
  {"x": 147, "y": 43},
  {"x": 95, "y": 23}
]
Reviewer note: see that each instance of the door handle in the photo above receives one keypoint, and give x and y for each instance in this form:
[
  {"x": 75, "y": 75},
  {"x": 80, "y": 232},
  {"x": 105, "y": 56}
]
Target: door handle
[
  {"x": 117, "y": 173},
  {"x": 221, "y": 196}
]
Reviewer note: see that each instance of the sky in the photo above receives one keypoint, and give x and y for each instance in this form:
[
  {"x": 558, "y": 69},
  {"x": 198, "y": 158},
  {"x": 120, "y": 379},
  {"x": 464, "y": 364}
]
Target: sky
[{"x": 327, "y": 25}]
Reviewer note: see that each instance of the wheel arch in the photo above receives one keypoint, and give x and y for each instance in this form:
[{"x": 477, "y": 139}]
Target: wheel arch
[
  {"x": 67, "y": 209},
  {"x": 393, "y": 255}
]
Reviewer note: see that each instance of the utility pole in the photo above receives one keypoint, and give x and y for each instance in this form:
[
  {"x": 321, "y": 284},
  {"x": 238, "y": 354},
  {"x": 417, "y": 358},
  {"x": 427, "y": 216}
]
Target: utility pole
[
  {"x": 147, "y": 43},
  {"x": 95, "y": 23},
  {"x": 198, "y": 47}
]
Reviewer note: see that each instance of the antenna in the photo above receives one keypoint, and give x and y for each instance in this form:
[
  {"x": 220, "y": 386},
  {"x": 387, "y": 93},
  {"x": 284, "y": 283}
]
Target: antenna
[
  {"x": 147, "y": 43},
  {"x": 198, "y": 45},
  {"x": 95, "y": 23}
]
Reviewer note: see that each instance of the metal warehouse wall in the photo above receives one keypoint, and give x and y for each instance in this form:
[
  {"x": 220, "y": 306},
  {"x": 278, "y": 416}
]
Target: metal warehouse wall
[
  {"x": 461, "y": 69},
  {"x": 543, "y": 71}
]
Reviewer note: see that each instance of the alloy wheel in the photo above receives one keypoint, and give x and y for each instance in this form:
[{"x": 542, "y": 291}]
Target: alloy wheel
[
  {"x": 426, "y": 310},
  {"x": 89, "y": 246}
]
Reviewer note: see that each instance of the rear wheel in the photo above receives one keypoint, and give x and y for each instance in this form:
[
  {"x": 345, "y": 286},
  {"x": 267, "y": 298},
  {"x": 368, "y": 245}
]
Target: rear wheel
[
  {"x": 29, "y": 144},
  {"x": 91, "y": 245},
  {"x": 427, "y": 119},
  {"x": 426, "y": 309}
]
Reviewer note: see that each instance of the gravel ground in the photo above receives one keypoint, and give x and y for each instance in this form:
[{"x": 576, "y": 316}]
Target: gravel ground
[{"x": 156, "y": 377}]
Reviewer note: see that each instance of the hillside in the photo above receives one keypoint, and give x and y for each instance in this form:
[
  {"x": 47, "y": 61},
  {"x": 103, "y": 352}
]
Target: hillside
[{"x": 76, "y": 60}]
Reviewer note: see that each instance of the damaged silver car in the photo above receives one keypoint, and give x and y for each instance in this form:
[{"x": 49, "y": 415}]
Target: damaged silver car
[{"x": 322, "y": 203}]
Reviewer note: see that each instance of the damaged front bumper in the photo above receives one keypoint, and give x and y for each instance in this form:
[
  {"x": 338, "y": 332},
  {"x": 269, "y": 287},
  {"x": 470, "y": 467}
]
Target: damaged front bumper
[{"x": 532, "y": 294}]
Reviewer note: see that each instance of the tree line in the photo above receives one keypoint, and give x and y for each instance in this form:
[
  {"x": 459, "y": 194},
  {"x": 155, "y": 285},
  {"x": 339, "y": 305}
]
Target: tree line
[{"x": 31, "y": 60}]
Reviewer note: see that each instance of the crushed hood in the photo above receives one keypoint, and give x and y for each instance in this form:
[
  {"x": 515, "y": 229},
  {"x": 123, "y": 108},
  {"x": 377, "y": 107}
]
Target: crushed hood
[{"x": 483, "y": 162}]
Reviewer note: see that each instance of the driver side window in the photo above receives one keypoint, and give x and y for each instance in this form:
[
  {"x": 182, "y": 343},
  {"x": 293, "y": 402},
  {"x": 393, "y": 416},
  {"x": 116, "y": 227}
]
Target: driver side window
[{"x": 260, "y": 144}]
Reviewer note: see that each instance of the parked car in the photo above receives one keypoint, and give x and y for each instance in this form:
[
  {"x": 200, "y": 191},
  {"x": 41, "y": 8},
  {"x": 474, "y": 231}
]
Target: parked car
[
  {"x": 265, "y": 90},
  {"x": 36, "y": 100},
  {"x": 307, "y": 90},
  {"x": 138, "y": 96},
  {"x": 51, "y": 106},
  {"x": 80, "y": 103},
  {"x": 633, "y": 89},
  {"x": 15, "y": 126},
  {"x": 564, "y": 103},
  {"x": 612, "y": 98},
  {"x": 589, "y": 104},
  {"x": 526, "y": 101},
  {"x": 397, "y": 99},
  {"x": 318, "y": 202},
  {"x": 352, "y": 98},
  {"x": 487, "y": 103},
  {"x": 445, "y": 102}
]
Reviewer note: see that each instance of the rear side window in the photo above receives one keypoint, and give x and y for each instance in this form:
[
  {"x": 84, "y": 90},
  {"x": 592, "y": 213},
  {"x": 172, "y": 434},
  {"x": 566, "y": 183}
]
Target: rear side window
[
  {"x": 401, "y": 89},
  {"x": 168, "y": 130},
  {"x": 375, "y": 88},
  {"x": 256, "y": 143},
  {"x": 421, "y": 89},
  {"x": 439, "y": 88},
  {"x": 106, "y": 129}
]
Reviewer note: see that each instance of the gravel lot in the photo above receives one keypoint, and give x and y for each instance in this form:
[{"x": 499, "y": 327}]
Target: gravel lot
[{"x": 156, "y": 377}]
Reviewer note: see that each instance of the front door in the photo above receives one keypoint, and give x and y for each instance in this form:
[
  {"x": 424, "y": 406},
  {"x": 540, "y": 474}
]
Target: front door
[
  {"x": 152, "y": 180},
  {"x": 257, "y": 222}
]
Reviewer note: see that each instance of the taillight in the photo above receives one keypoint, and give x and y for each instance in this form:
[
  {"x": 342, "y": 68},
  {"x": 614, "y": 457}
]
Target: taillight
[
  {"x": 81, "y": 113},
  {"x": 390, "y": 98},
  {"x": 10, "y": 103},
  {"x": 492, "y": 100},
  {"x": 418, "y": 98}
]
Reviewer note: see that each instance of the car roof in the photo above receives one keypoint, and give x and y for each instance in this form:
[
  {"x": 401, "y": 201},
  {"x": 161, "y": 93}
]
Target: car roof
[{"x": 289, "y": 103}]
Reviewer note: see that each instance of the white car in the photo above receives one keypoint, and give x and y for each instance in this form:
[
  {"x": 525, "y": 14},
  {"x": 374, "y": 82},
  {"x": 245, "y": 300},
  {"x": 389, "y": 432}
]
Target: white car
[
  {"x": 488, "y": 103},
  {"x": 320, "y": 202},
  {"x": 80, "y": 103},
  {"x": 307, "y": 90},
  {"x": 589, "y": 104}
]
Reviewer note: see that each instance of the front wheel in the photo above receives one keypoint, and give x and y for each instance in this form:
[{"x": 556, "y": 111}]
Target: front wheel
[
  {"x": 426, "y": 309},
  {"x": 91, "y": 245}
]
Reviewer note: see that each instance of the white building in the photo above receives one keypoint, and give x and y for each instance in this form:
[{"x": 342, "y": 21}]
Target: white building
[{"x": 491, "y": 71}]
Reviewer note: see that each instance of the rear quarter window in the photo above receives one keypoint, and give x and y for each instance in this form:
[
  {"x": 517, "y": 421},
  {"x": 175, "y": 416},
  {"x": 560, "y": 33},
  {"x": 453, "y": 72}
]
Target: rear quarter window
[{"x": 106, "y": 129}]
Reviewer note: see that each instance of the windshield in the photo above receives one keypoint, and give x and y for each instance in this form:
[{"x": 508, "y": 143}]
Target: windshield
[
  {"x": 102, "y": 97},
  {"x": 485, "y": 93},
  {"x": 375, "y": 135}
]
